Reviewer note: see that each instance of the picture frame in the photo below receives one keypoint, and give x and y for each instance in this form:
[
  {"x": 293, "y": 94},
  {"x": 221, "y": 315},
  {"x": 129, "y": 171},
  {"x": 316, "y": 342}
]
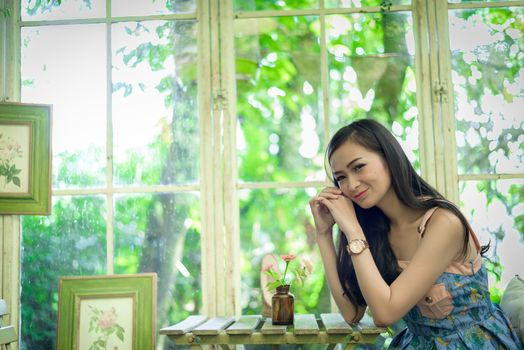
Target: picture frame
[
  {"x": 25, "y": 158},
  {"x": 110, "y": 311}
]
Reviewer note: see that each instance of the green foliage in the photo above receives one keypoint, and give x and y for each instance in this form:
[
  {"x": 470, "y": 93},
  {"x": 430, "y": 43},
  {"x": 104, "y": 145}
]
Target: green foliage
[{"x": 71, "y": 242}]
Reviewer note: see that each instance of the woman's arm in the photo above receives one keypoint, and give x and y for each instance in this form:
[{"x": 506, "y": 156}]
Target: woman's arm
[
  {"x": 324, "y": 222},
  {"x": 442, "y": 243},
  {"x": 329, "y": 259}
]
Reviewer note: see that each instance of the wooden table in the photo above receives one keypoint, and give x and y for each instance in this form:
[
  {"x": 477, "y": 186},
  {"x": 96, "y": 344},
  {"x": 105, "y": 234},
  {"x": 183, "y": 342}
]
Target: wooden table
[{"x": 330, "y": 329}]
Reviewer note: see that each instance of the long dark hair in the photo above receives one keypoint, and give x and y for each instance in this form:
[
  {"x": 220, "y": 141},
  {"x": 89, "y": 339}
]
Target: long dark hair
[{"x": 409, "y": 187}]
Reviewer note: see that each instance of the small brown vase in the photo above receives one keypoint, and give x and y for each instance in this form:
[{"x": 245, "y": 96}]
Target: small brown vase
[{"x": 282, "y": 306}]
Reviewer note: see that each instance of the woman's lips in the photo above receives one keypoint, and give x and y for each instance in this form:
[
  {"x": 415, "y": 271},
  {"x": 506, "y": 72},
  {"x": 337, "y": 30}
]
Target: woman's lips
[{"x": 358, "y": 196}]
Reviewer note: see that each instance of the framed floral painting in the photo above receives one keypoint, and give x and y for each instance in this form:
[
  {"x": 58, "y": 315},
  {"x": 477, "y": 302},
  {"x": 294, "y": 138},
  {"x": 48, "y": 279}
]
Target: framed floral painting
[
  {"x": 107, "y": 312},
  {"x": 25, "y": 159}
]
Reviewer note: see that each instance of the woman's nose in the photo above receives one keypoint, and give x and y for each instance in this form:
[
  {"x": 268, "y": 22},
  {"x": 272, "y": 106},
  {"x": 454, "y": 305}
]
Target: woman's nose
[{"x": 352, "y": 183}]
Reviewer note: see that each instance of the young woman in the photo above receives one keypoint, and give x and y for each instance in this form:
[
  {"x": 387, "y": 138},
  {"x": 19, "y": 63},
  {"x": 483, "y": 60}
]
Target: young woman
[{"x": 404, "y": 250}]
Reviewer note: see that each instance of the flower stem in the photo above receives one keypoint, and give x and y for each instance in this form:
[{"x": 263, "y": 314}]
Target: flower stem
[{"x": 285, "y": 271}]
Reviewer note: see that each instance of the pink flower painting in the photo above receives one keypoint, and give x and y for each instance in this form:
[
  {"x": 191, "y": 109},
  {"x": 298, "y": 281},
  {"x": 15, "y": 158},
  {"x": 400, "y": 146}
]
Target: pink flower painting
[{"x": 103, "y": 324}]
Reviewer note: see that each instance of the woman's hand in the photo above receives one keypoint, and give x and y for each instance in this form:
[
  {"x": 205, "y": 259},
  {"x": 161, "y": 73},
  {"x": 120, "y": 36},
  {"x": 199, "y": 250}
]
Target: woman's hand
[
  {"x": 341, "y": 209},
  {"x": 324, "y": 221}
]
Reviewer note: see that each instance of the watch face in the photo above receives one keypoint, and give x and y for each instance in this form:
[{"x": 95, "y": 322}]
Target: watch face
[{"x": 356, "y": 246}]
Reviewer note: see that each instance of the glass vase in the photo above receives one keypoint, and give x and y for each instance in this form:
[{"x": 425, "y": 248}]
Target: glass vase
[{"x": 282, "y": 306}]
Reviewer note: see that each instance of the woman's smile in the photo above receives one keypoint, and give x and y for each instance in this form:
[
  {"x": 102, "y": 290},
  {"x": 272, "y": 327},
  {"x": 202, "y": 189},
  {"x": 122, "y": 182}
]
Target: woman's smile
[{"x": 360, "y": 195}]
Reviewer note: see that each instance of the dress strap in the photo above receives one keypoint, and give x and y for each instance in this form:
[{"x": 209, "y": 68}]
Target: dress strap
[
  {"x": 428, "y": 215},
  {"x": 425, "y": 219}
]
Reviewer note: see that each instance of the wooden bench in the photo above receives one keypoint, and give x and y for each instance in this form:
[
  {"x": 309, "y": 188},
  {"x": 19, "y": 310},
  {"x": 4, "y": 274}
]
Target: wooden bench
[{"x": 330, "y": 329}]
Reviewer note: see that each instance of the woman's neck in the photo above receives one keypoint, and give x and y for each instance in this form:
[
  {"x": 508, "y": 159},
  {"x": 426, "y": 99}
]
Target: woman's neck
[{"x": 397, "y": 212}]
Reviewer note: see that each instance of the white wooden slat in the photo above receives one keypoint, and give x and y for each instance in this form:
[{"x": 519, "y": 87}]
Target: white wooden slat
[
  {"x": 245, "y": 325},
  {"x": 270, "y": 328},
  {"x": 367, "y": 327},
  {"x": 185, "y": 326},
  {"x": 214, "y": 326},
  {"x": 306, "y": 324},
  {"x": 7, "y": 335},
  {"x": 335, "y": 324}
]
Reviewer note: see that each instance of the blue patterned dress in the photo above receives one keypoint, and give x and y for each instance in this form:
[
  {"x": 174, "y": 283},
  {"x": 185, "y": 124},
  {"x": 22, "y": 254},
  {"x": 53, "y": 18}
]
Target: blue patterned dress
[{"x": 457, "y": 312}]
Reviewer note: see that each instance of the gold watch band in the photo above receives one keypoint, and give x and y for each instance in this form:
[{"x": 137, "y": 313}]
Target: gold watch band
[{"x": 357, "y": 246}]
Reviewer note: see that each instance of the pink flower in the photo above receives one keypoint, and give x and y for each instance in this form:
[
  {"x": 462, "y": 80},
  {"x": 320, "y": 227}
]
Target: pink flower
[
  {"x": 288, "y": 257},
  {"x": 108, "y": 318}
]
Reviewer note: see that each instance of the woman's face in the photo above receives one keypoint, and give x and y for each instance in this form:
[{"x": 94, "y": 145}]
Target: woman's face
[{"x": 361, "y": 174}]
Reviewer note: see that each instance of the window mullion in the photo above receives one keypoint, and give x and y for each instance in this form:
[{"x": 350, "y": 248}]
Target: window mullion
[
  {"x": 231, "y": 205},
  {"x": 205, "y": 58},
  {"x": 432, "y": 133},
  {"x": 110, "y": 242},
  {"x": 423, "y": 60},
  {"x": 445, "y": 99},
  {"x": 10, "y": 226}
]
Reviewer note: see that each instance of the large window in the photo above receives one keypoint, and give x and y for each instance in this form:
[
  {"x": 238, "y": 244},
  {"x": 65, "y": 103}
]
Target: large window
[
  {"x": 301, "y": 73},
  {"x": 126, "y": 156},
  {"x": 189, "y": 135}
]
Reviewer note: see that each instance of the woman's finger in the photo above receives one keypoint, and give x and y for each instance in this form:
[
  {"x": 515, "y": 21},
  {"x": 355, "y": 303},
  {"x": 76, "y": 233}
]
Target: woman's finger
[
  {"x": 334, "y": 190},
  {"x": 328, "y": 195}
]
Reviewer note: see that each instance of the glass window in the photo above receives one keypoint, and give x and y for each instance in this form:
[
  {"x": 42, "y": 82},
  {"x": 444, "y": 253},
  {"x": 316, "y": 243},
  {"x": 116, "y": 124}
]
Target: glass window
[
  {"x": 70, "y": 242},
  {"x": 127, "y": 87},
  {"x": 279, "y": 111},
  {"x": 64, "y": 9},
  {"x": 148, "y": 7},
  {"x": 257, "y": 5},
  {"x": 487, "y": 54},
  {"x": 496, "y": 212},
  {"x": 372, "y": 75},
  {"x": 126, "y": 131},
  {"x": 283, "y": 227},
  {"x": 65, "y": 66},
  {"x": 154, "y": 103},
  {"x": 365, "y": 3}
]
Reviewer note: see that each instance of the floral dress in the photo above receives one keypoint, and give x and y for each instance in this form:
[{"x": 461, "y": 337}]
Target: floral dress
[{"x": 457, "y": 312}]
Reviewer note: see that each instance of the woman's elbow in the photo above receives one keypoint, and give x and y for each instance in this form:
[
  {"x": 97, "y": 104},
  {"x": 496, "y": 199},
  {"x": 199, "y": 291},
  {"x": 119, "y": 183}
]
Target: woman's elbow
[
  {"x": 384, "y": 320},
  {"x": 380, "y": 322}
]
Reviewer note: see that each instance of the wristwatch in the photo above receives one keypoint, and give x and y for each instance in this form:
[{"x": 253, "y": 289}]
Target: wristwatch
[{"x": 357, "y": 246}]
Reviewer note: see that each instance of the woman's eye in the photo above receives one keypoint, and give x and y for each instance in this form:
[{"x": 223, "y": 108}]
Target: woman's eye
[
  {"x": 359, "y": 167},
  {"x": 340, "y": 178}
]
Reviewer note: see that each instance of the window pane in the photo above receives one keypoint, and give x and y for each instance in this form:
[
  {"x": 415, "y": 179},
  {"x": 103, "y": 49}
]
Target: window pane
[
  {"x": 155, "y": 114},
  {"x": 261, "y": 5},
  {"x": 279, "y": 99},
  {"x": 148, "y": 7},
  {"x": 70, "y": 242},
  {"x": 67, "y": 9},
  {"x": 284, "y": 226},
  {"x": 161, "y": 233},
  {"x": 371, "y": 73},
  {"x": 364, "y": 3},
  {"x": 488, "y": 77},
  {"x": 496, "y": 211},
  {"x": 65, "y": 66}
]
